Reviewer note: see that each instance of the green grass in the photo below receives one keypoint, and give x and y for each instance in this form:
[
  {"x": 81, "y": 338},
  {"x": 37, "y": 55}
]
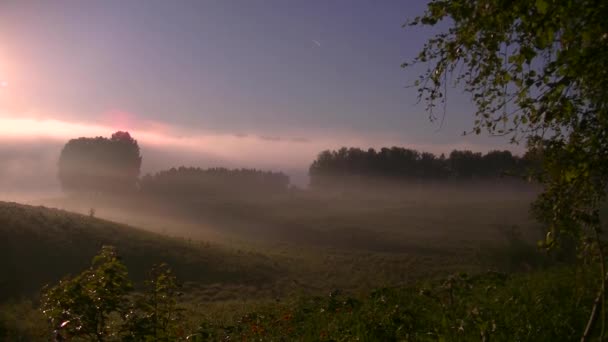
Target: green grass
[{"x": 551, "y": 305}]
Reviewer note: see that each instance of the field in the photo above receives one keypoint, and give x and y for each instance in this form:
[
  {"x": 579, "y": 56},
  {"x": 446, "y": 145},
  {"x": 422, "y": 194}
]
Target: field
[
  {"x": 351, "y": 242},
  {"x": 321, "y": 242},
  {"x": 274, "y": 256}
]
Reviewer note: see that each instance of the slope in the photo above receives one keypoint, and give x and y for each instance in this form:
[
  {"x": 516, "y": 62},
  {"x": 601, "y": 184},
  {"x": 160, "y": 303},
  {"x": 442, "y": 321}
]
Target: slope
[{"x": 39, "y": 245}]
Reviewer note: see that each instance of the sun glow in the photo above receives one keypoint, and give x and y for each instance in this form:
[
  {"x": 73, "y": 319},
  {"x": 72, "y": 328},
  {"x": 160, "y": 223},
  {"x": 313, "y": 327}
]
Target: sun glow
[
  {"x": 25, "y": 128},
  {"x": 245, "y": 150},
  {"x": 240, "y": 149}
]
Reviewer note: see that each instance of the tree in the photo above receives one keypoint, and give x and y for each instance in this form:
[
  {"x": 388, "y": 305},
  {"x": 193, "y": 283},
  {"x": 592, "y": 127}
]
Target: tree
[
  {"x": 537, "y": 72},
  {"x": 100, "y": 165}
]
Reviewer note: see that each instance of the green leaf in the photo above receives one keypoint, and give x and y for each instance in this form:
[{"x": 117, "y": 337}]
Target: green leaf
[{"x": 542, "y": 6}]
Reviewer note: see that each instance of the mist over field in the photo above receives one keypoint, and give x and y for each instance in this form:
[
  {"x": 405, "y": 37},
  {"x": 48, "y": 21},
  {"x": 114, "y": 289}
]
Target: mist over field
[
  {"x": 344, "y": 170},
  {"x": 30, "y": 149}
]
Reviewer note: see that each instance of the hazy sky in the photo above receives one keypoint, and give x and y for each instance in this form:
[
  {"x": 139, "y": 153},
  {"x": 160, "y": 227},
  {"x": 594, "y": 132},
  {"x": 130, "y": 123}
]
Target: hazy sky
[{"x": 244, "y": 83}]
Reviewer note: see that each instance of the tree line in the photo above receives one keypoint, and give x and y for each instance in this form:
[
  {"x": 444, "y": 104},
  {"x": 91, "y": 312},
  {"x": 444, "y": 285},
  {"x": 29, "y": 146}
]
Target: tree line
[
  {"x": 191, "y": 181},
  {"x": 397, "y": 163},
  {"x": 108, "y": 166},
  {"x": 98, "y": 166}
]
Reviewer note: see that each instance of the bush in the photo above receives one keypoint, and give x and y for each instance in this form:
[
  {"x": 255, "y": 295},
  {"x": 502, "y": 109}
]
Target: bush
[
  {"x": 98, "y": 304},
  {"x": 83, "y": 306}
]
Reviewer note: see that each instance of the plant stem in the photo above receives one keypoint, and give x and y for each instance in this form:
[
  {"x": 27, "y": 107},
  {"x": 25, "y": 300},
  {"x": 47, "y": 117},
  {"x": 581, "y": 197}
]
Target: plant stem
[{"x": 600, "y": 298}]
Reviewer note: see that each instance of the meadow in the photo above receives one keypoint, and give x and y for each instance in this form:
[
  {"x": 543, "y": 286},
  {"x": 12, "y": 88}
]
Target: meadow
[
  {"x": 291, "y": 253},
  {"x": 348, "y": 240}
]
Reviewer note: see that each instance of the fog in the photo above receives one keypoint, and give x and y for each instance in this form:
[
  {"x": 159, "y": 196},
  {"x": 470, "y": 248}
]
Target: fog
[
  {"x": 30, "y": 148},
  {"x": 233, "y": 199},
  {"x": 367, "y": 214}
]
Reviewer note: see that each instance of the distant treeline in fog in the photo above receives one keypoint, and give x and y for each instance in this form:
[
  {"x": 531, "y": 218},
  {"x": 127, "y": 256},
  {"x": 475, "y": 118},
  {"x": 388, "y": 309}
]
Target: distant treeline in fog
[
  {"x": 186, "y": 181},
  {"x": 104, "y": 166},
  {"x": 101, "y": 166},
  {"x": 396, "y": 163}
]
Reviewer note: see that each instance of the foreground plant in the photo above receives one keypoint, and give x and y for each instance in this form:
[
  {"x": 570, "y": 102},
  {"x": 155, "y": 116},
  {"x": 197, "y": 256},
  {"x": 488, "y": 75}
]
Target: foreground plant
[
  {"x": 83, "y": 306},
  {"x": 154, "y": 315},
  {"x": 99, "y": 305}
]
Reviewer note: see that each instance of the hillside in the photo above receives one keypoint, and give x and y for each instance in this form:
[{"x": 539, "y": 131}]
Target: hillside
[{"x": 39, "y": 245}]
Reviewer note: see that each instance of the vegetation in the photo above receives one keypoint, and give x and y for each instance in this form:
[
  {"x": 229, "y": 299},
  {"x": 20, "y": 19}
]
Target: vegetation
[
  {"x": 82, "y": 306},
  {"x": 488, "y": 306},
  {"x": 536, "y": 71},
  {"x": 358, "y": 244},
  {"x": 95, "y": 304},
  {"x": 40, "y": 245},
  {"x": 530, "y": 68},
  {"x": 461, "y": 308},
  {"x": 100, "y": 165},
  {"x": 214, "y": 182},
  {"x": 352, "y": 165}
]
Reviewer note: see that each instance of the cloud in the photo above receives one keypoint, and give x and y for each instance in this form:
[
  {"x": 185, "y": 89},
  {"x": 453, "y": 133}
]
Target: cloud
[{"x": 270, "y": 138}]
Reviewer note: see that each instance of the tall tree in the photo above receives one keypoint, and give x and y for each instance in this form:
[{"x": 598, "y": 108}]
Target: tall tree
[
  {"x": 537, "y": 71},
  {"x": 100, "y": 165}
]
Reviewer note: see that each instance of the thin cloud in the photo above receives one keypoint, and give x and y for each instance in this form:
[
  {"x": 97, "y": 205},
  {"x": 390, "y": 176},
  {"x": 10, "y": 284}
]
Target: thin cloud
[
  {"x": 270, "y": 138},
  {"x": 317, "y": 42}
]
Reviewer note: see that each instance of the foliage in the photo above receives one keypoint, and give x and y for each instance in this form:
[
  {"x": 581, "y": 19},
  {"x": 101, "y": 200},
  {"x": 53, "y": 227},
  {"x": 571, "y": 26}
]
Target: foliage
[
  {"x": 541, "y": 306},
  {"x": 517, "y": 254},
  {"x": 98, "y": 304},
  {"x": 545, "y": 306},
  {"x": 190, "y": 181},
  {"x": 100, "y": 165},
  {"x": 535, "y": 70},
  {"x": 154, "y": 315},
  {"x": 82, "y": 306},
  {"x": 397, "y": 163}
]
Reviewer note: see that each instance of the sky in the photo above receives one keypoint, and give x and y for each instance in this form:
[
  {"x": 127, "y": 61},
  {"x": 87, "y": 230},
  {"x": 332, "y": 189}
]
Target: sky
[{"x": 250, "y": 83}]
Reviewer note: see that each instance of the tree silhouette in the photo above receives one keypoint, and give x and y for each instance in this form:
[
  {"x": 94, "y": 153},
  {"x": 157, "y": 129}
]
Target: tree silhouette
[
  {"x": 189, "y": 182},
  {"x": 100, "y": 165},
  {"x": 396, "y": 163}
]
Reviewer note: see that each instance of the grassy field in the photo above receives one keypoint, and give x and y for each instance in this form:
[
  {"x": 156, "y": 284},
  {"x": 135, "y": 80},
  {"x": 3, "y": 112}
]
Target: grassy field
[
  {"x": 40, "y": 245},
  {"x": 305, "y": 242},
  {"x": 236, "y": 258}
]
